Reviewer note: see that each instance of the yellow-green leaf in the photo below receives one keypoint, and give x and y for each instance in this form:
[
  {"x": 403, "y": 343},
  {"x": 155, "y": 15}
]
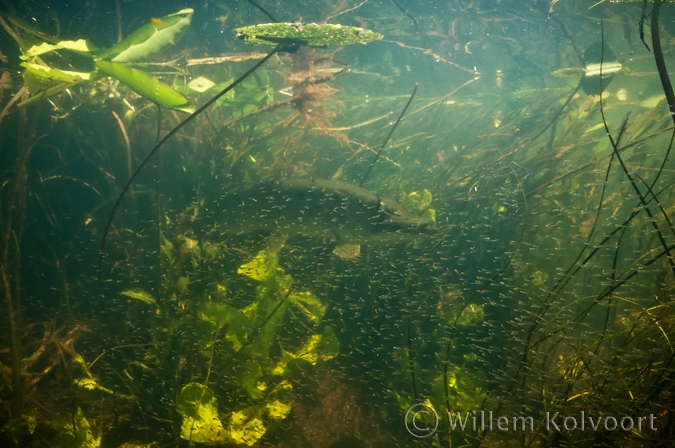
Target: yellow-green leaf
[
  {"x": 44, "y": 71},
  {"x": 80, "y": 46},
  {"x": 278, "y": 410},
  {"x": 147, "y": 86},
  {"x": 244, "y": 429},
  {"x": 260, "y": 268},
  {"x": 199, "y": 408},
  {"x": 309, "y": 304},
  {"x": 92, "y": 384},
  {"x": 141, "y": 295}
]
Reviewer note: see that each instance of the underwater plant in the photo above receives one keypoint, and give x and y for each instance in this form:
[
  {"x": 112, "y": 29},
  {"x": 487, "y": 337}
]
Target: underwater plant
[{"x": 545, "y": 287}]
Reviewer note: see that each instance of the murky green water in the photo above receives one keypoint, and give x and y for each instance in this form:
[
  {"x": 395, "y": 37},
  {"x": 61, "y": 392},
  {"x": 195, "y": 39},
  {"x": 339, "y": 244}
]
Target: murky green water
[{"x": 498, "y": 274}]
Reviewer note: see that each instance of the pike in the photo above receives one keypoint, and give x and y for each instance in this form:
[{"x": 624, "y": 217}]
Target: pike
[{"x": 336, "y": 211}]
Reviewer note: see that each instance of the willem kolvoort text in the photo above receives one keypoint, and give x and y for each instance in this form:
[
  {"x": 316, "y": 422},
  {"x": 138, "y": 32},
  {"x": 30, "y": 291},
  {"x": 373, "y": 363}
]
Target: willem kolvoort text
[{"x": 485, "y": 421}]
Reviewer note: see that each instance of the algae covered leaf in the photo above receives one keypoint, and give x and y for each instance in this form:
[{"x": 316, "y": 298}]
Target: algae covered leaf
[{"x": 309, "y": 34}]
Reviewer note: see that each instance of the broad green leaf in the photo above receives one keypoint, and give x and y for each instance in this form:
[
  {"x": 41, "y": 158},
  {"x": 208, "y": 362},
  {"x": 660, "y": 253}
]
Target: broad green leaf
[
  {"x": 146, "y": 86},
  {"x": 150, "y": 39},
  {"x": 308, "y": 34},
  {"x": 249, "y": 379},
  {"x": 141, "y": 295},
  {"x": 471, "y": 315},
  {"x": 308, "y": 352},
  {"x": 199, "y": 408},
  {"x": 55, "y": 73},
  {"x": 278, "y": 410},
  {"x": 309, "y": 304},
  {"x": 261, "y": 267},
  {"x": 80, "y": 46},
  {"x": 82, "y": 437},
  {"x": 246, "y": 427}
]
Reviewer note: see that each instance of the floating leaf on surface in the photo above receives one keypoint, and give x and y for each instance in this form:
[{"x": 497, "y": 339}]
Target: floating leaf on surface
[
  {"x": 150, "y": 38},
  {"x": 310, "y": 34},
  {"x": 146, "y": 86}
]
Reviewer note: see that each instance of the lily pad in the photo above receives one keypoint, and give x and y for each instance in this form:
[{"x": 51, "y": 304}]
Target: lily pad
[{"x": 309, "y": 34}]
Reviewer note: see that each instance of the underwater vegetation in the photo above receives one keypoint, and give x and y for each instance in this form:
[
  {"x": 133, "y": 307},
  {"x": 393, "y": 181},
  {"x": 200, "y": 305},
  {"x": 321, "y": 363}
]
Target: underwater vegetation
[{"x": 330, "y": 224}]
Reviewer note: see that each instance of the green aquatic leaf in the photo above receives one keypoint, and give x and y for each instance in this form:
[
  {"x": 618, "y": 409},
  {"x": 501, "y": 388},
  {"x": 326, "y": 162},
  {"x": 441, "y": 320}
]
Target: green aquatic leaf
[
  {"x": 310, "y": 34},
  {"x": 329, "y": 346},
  {"x": 150, "y": 39},
  {"x": 468, "y": 387},
  {"x": 167, "y": 249},
  {"x": 471, "y": 314},
  {"x": 309, "y": 304},
  {"x": 92, "y": 384},
  {"x": 261, "y": 267},
  {"x": 199, "y": 408},
  {"x": 417, "y": 201},
  {"x": 146, "y": 86},
  {"x": 319, "y": 347},
  {"x": 246, "y": 427},
  {"x": 43, "y": 71},
  {"x": 31, "y": 419},
  {"x": 278, "y": 410},
  {"x": 80, "y": 46},
  {"x": 182, "y": 285},
  {"x": 141, "y": 295},
  {"x": 82, "y": 437},
  {"x": 249, "y": 379},
  {"x": 430, "y": 214}
]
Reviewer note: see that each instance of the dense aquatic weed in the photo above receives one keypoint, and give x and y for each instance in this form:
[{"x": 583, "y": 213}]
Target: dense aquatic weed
[
  {"x": 11, "y": 230},
  {"x": 148, "y": 156},
  {"x": 658, "y": 383}
]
